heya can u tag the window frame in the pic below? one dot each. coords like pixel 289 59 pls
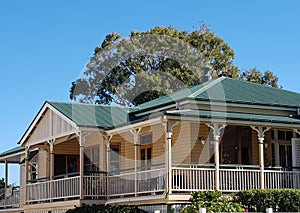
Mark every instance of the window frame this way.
pixel 90 161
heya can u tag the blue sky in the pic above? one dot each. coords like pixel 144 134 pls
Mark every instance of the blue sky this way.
pixel 44 45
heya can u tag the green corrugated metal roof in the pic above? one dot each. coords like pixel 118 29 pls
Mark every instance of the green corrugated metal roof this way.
pixel 247 92
pixel 173 97
pixel 234 116
pixel 93 115
pixel 12 151
pixel 229 90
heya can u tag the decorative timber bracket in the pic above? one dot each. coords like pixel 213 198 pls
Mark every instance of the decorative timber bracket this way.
pixel 260 132
pixel 135 133
pixel 216 128
pixel 51 144
pixel 82 137
pixel 297 131
pixel 107 139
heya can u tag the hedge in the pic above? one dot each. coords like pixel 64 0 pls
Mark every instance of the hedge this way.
pixel 213 201
pixel 258 200
pixel 106 209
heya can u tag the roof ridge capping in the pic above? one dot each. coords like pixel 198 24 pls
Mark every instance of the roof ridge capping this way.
pixel 86 104
pixel 176 96
pixel 262 85
pixel 207 86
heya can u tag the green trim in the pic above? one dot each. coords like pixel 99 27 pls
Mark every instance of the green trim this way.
pixel 227 116
pixel 12 151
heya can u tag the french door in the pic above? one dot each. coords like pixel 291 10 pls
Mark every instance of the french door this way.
pixel 146 157
pixel 285 155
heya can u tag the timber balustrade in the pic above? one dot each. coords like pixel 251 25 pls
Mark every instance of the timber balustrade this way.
pixel 186 178
pixel 11 200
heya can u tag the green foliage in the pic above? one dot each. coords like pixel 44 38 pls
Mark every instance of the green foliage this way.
pixel 146 65
pixel 130 71
pixel 2 183
pixel 213 201
pixel 281 200
pixel 105 209
pixel 266 78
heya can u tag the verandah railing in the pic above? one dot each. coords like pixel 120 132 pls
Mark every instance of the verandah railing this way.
pixel 12 200
pixel 66 188
pixel 185 179
pixel 232 178
pixel 143 181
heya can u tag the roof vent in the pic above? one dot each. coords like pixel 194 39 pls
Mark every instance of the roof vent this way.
pixel 206 73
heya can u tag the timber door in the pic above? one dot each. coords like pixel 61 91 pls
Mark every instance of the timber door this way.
pixel 146 158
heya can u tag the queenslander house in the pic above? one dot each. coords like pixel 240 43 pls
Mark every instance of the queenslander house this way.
pixel 224 134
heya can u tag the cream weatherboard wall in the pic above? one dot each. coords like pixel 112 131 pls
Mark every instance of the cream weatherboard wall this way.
pixel 51 125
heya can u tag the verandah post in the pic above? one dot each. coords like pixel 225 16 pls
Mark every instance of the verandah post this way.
pixel 6 180
pixel 81 159
pixel 168 153
pixel 51 147
pixel 261 136
pixel 217 128
pixel 26 172
pixel 135 134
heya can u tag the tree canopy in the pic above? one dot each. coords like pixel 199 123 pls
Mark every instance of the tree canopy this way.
pixel 2 183
pixel 254 75
pixel 146 65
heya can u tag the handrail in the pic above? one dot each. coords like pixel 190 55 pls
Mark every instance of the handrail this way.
pixel 44 179
pixel 38 180
pixel 72 174
pixel 117 172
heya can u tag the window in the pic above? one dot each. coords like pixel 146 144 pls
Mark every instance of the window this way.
pixel 34 171
pixel 273 134
pixel 66 164
pixel 146 151
pixel 146 139
pixel 285 135
pixel 211 152
pixel 91 160
pixel 285 156
pixel 114 158
pixel 273 155
pixel 33 162
pixel 146 157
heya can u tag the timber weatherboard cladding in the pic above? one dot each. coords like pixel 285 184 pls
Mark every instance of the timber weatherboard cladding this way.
pixel 181 143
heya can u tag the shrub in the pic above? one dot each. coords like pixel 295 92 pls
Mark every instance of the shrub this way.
pixel 213 201
pixel 282 200
pixel 106 209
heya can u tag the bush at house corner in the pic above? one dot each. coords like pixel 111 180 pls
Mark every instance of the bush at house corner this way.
pixel 213 201
pixel 280 200
pixel 105 209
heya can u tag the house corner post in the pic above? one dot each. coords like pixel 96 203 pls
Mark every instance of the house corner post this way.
pixel 168 154
pixel 217 128
pixel 135 134
pixel 81 159
pixel 261 162
pixel 26 172
pixel 51 149
pixel 261 136
pixel 169 160
pixel 107 144
pixel 217 162
pixel 6 174
pixel 5 180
